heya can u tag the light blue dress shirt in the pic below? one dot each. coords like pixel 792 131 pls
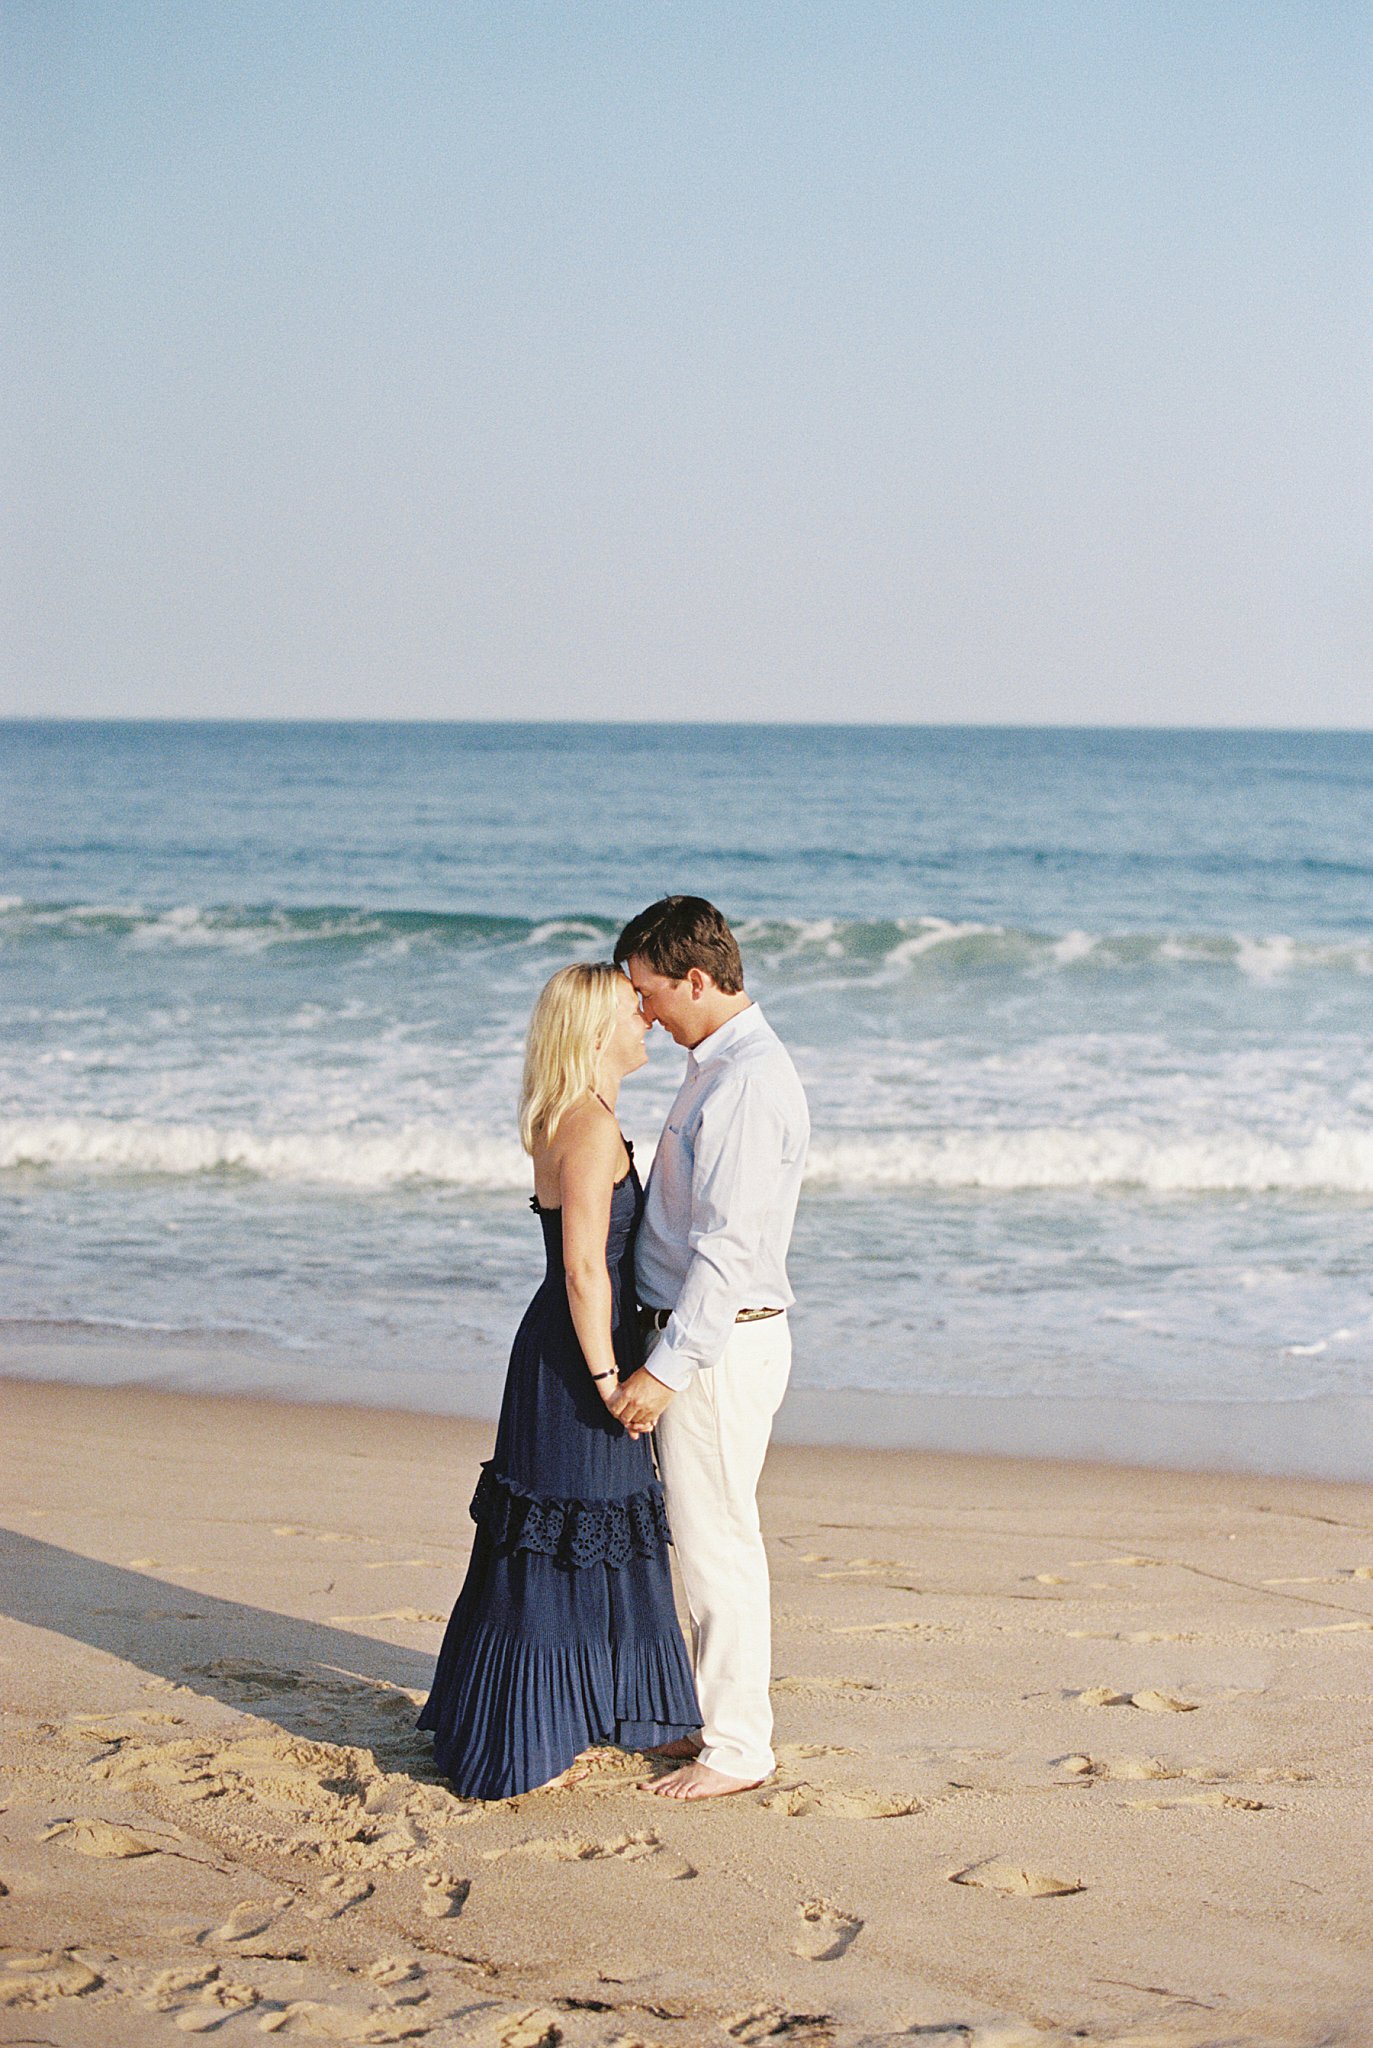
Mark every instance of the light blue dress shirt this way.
pixel 722 1194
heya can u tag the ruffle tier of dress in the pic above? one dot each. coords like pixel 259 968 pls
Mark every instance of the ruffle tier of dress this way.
pixel 564 1636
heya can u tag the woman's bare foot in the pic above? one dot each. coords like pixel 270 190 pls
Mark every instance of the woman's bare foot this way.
pixel 698 1781
pixel 686 1748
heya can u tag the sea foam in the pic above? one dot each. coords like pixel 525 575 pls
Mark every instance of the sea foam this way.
pixel 1329 1162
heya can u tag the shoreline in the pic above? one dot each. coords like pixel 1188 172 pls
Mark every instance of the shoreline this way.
pixel 1323 1437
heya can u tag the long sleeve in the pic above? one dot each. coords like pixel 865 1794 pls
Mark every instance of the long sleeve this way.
pixel 738 1159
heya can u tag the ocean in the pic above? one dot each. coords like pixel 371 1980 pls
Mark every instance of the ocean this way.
pixel 1085 1018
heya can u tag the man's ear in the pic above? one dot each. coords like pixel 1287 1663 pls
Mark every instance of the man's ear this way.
pixel 698 980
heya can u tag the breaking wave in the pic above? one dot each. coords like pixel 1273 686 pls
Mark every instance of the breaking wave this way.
pixel 866 949
pixel 1329 1162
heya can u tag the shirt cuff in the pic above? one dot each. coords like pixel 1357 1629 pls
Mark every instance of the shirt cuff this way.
pixel 665 1363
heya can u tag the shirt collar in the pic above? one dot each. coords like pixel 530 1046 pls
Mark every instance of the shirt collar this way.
pixel 726 1036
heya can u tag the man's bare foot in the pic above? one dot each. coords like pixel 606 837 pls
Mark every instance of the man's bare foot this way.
pixel 698 1781
pixel 687 1748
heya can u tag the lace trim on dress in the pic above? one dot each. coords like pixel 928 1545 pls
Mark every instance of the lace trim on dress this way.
pixel 574 1532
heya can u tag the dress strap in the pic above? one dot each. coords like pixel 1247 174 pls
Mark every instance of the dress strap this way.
pixel 626 1142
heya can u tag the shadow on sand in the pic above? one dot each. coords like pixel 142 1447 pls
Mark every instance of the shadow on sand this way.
pixel 308 1678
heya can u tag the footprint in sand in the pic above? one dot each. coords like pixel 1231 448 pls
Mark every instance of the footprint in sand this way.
pixel 314 1535
pixel 252 1678
pixel 826 1932
pixel 862 1567
pixel 802 1801
pixel 112 1732
pixel 391 1972
pixel 644 1847
pixel 215 2004
pixel 107 1838
pixel 1149 1701
pixel 1014 1881
pixel 337 1894
pixel 315 1780
pixel 536 2029
pixel 170 1988
pixel 252 1917
pixel 771 2023
pixel 39 1980
pixel 444 1896
pixel 1229 1799
pixel 320 2022
pixel 399 1796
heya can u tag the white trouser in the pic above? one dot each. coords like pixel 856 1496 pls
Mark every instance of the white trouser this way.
pixel 712 1439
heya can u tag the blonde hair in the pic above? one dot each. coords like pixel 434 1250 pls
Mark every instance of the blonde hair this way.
pixel 572 1019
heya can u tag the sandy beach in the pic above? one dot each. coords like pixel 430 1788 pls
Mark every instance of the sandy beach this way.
pixel 1067 1752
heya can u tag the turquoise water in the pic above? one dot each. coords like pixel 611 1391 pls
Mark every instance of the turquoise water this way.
pixel 1084 1018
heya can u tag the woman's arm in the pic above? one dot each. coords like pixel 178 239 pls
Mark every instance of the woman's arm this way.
pixel 590 1162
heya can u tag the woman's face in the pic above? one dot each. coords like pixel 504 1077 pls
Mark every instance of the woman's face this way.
pixel 623 1052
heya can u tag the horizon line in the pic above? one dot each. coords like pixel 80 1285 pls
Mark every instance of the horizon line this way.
pixel 173 719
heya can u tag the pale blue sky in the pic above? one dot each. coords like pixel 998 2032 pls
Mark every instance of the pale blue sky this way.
pixel 842 361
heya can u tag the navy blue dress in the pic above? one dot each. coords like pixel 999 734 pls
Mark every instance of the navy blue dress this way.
pixel 564 1633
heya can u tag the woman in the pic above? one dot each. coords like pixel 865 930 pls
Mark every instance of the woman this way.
pixel 564 1633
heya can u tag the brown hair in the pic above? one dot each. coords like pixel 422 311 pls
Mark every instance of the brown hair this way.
pixel 681 932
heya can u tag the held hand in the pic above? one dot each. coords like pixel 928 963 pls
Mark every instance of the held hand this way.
pixel 640 1401
pixel 610 1391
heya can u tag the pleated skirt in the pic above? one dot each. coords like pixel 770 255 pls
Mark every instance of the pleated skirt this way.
pixel 564 1636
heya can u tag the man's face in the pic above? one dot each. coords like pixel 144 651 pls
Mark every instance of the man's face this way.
pixel 676 1005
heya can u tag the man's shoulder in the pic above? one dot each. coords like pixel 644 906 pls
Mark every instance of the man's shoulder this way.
pixel 760 1061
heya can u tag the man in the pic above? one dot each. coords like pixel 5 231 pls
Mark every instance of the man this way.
pixel 712 1275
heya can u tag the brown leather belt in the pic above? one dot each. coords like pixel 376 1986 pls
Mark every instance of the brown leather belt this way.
pixel 658 1318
